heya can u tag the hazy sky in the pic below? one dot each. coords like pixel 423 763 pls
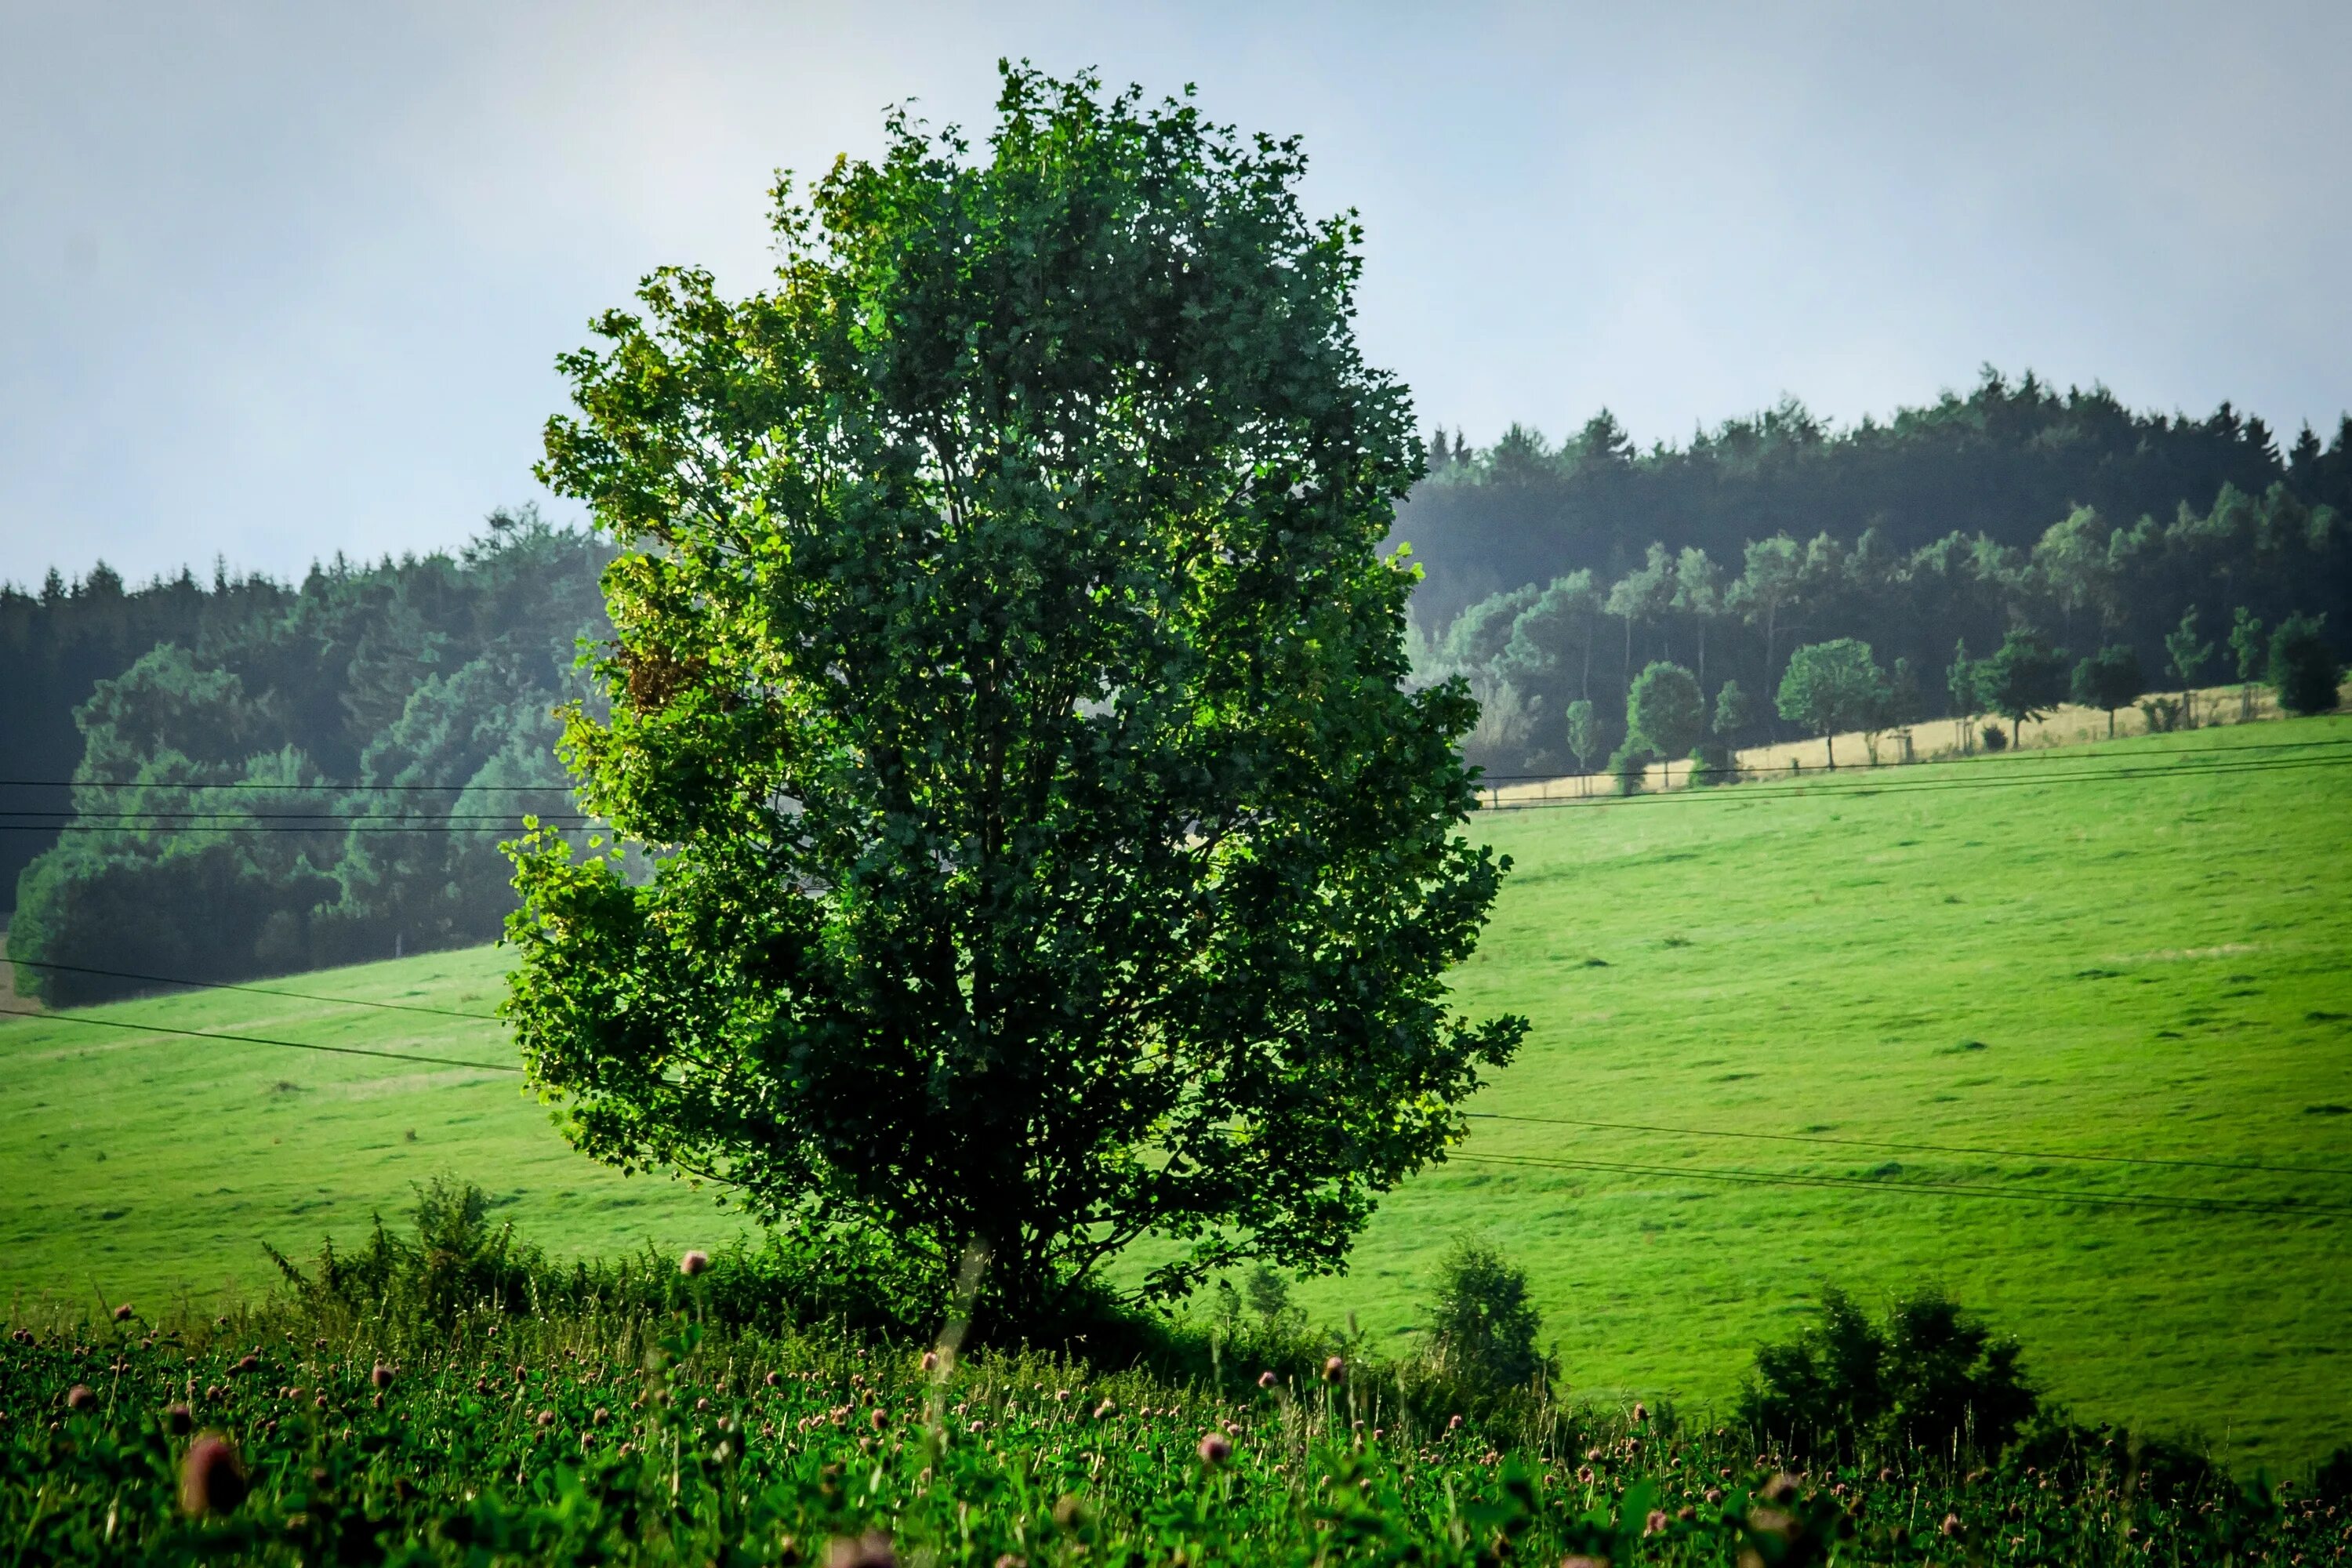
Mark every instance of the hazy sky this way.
pixel 281 280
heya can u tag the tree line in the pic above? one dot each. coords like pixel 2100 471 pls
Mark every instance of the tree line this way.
pixel 1685 649
pixel 266 777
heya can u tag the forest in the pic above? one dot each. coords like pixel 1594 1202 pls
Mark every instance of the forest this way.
pixel 244 777
pixel 1554 575
pixel 253 778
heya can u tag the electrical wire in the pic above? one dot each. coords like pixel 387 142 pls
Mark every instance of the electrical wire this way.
pixel 256 990
pixel 1918 1189
pixel 257 1040
pixel 1915 1148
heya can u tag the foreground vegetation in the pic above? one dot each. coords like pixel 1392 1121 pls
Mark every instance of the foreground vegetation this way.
pixel 453 1398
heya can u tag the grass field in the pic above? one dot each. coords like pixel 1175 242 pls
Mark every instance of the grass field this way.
pixel 2132 951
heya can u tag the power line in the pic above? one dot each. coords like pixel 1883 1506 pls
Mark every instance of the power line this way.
pixel 327 822
pixel 234 817
pixel 1915 1189
pixel 1915 1148
pixel 256 990
pixel 328 785
pixel 257 1040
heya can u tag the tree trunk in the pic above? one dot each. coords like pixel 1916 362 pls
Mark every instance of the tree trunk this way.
pixel 1830 740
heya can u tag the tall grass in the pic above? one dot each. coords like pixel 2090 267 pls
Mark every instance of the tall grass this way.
pixel 468 1403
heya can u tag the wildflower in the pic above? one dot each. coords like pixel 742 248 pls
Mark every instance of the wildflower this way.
pixel 80 1397
pixel 1104 1411
pixel 380 1376
pixel 694 1262
pixel 248 1363
pixel 547 1418
pixel 1334 1369
pixel 177 1419
pixel 1714 1496
pixel 774 1380
pixel 1578 1560
pixel 1453 1425
pixel 1266 1380
pixel 122 1313
pixel 212 1476
pixel 871 1550
pixel 1641 1411
pixel 600 1416
pixel 931 1361
pixel 880 1420
pixel 1215 1449
pixel 1656 1523
pixel 1952 1527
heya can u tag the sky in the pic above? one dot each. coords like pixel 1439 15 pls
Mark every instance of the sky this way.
pixel 282 281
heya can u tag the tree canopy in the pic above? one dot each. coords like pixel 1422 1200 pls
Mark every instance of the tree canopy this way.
pixel 1831 686
pixel 1006 675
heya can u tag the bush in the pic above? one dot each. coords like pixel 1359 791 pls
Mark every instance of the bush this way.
pixel 1630 763
pixel 1712 764
pixel 1483 1328
pixel 1932 1378
pixel 2303 666
pixel 1995 738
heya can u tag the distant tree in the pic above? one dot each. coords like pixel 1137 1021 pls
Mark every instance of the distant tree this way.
pixel 1481 1326
pixel 1629 765
pixel 1698 594
pixel 1904 705
pixel 1732 710
pixel 2108 680
pixel 1962 685
pixel 1767 588
pixel 2303 667
pixel 1831 686
pixel 2187 657
pixel 1665 712
pixel 2252 651
pixel 1642 595
pixel 1586 736
pixel 2023 679
pixel 1555 624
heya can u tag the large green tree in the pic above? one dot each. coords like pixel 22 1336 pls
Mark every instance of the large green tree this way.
pixel 1831 686
pixel 1008 682
pixel 1666 711
pixel 2025 679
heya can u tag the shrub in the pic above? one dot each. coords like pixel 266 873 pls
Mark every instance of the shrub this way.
pixel 1629 763
pixel 2303 666
pixel 1931 1377
pixel 1483 1328
pixel 1995 738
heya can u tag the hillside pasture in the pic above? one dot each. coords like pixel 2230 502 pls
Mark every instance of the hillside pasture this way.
pixel 1998 984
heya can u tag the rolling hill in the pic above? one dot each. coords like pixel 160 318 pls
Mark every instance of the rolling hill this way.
pixel 2065 1033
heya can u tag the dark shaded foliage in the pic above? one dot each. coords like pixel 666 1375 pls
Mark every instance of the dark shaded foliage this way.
pixel 1930 1376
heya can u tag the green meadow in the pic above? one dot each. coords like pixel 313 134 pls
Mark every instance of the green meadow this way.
pixel 2064 1033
